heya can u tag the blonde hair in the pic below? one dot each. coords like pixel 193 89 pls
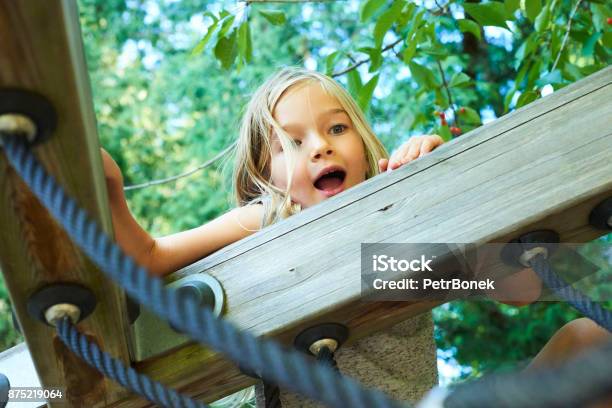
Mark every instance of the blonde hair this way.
pixel 251 179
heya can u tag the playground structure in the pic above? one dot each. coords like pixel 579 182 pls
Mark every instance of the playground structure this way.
pixel 545 166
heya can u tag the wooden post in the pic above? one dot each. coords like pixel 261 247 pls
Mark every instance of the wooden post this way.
pixel 41 51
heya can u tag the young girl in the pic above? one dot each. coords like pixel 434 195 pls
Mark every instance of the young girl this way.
pixel 302 140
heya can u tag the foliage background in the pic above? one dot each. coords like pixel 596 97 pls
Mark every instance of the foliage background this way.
pixel 170 79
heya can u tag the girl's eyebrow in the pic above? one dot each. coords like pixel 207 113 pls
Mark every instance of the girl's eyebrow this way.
pixel 288 127
pixel 333 111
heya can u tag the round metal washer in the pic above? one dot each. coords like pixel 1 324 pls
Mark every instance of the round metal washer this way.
pixel 307 337
pixel 34 106
pixel 512 253
pixel 51 295
pixel 208 281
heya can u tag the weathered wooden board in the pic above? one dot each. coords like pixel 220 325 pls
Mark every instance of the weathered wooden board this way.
pixel 544 166
pixel 41 51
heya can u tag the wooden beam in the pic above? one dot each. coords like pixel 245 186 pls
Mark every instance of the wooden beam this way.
pixel 543 166
pixel 41 51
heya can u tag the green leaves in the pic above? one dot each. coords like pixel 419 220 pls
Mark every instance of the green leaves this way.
pixel 245 45
pixel 386 20
pixel 459 80
pixel 233 41
pixel 375 55
pixel 469 26
pixel 526 97
pixel 226 50
pixel 444 132
pixel 227 23
pixel 227 45
pixel 423 75
pixel 370 7
pixel 418 30
pixel 531 8
pixel 511 6
pixel 330 62
pixel 366 92
pixel 209 33
pixel 600 14
pixel 543 19
pixel 409 52
pixel 469 116
pixel 526 49
pixel 354 83
pixel 554 77
pixel 441 98
pixel 413 37
pixel 492 13
pixel 274 17
pixel 360 92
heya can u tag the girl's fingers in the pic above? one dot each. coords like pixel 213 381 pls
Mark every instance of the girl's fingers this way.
pixel 436 140
pixel 382 165
pixel 396 157
pixel 416 147
pixel 427 146
pixel 413 151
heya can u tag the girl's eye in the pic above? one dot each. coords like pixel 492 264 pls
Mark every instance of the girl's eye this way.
pixel 337 129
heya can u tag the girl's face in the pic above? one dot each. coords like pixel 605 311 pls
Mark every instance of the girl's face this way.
pixel 330 154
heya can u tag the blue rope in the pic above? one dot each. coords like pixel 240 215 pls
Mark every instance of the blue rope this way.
pixel 572 296
pixel 288 368
pixel 116 370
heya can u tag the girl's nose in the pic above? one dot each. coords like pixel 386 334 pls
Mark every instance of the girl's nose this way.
pixel 321 147
pixel 318 154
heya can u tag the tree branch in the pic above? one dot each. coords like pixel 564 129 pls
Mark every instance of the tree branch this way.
pixel 363 61
pixel 187 173
pixel 569 27
pixel 448 92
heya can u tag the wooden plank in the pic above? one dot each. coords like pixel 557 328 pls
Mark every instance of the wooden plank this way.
pixel 41 51
pixel 543 166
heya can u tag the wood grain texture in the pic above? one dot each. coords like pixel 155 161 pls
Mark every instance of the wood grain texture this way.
pixel 41 51
pixel 543 166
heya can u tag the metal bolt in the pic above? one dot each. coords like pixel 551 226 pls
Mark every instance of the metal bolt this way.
pixel 60 310
pixel 529 254
pixel 18 124
pixel 316 347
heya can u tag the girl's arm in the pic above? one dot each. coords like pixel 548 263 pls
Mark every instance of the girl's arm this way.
pixel 175 251
pixel 168 254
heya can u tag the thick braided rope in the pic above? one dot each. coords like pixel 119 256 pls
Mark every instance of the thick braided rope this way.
pixel 572 296
pixel 327 356
pixel 272 392
pixel 116 370
pixel 288 368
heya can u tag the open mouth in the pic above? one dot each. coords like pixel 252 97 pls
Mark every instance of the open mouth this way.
pixel 331 181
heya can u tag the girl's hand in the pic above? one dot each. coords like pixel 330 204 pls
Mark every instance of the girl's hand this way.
pixel 415 147
pixel 111 169
pixel 114 179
